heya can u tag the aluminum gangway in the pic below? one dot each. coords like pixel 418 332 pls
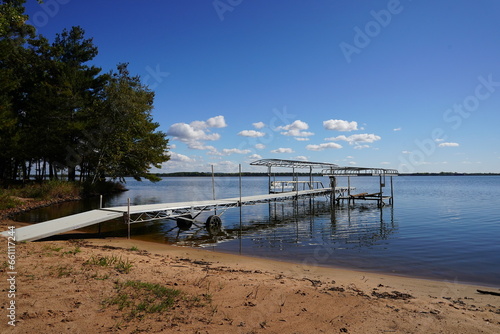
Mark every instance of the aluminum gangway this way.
pixel 185 213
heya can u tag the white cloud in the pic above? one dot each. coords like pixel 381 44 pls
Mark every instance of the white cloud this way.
pixel 296 125
pixel 397 129
pixel 352 163
pixel 199 146
pixel 349 157
pixel 360 147
pixel 255 156
pixel 449 145
pixel 216 122
pixel 295 129
pixel 228 151
pixel 301 158
pixel 385 163
pixel 179 157
pixel 301 139
pixel 259 125
pixel 282 150
pixel 260 146
pixel 340 125
pixel 196 129
pixel 357 138
pixel 297 133
pixel 251 133
pixel 323 146
pixel 406 152
pixel 196 132
pixel 186 132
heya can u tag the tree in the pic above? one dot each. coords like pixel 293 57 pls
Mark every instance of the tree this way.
pixel 126 142
pixel 59 113
pixel 14 33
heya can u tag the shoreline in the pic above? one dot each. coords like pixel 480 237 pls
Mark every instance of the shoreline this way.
pixel 201 254
pixel 346 268
pixel 4 222
pixel 59 291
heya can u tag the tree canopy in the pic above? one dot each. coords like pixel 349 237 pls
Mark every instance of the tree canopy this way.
pixel 58 114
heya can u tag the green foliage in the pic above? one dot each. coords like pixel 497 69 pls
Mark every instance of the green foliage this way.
pixel 61 115
pixel 140 298
pixel 7 201
pixel 74 251
pixel 122 266
pixel 49 190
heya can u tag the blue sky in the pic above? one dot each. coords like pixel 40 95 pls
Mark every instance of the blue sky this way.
pixel 412 85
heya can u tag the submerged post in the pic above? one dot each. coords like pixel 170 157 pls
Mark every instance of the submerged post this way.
pixel 100 201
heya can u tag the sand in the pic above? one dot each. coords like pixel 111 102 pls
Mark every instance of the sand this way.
pixel 66 286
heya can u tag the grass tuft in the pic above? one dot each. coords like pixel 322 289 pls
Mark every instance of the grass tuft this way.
pixel 140 298
pixel 122 266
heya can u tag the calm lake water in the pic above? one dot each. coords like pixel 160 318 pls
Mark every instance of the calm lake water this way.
pixel 440 227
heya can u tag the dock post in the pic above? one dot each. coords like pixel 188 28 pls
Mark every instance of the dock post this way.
pixel 348 191
pixel 392 193
pixel 240 181
pixel 311 184
pixel 213 183
pixel 380 188
pixel 269 178
pixel 333 186
pixel 128 217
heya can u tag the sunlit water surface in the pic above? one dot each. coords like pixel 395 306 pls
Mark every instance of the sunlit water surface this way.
pixel 440 227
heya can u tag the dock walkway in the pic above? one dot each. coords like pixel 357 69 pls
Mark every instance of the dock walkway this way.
pixel 149 212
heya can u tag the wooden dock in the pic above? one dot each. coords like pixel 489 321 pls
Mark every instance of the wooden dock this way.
pixel 186 211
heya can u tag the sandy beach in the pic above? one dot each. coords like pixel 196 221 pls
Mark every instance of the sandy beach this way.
pixel 105 286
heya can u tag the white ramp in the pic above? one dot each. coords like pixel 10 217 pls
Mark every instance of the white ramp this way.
pixel 61 225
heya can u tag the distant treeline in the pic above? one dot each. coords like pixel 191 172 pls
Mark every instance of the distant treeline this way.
pixel 447 174
pixel 229 174
pixel 205 174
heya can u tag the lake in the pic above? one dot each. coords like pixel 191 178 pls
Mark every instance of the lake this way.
pixel 440 227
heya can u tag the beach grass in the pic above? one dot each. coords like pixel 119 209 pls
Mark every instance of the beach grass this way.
pixel 138 298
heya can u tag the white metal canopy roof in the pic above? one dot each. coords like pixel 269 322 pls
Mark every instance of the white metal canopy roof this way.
pixel 327 168
pixel 292 163
pixel 354 171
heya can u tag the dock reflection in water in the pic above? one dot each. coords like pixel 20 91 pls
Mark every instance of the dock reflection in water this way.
pixel 291 227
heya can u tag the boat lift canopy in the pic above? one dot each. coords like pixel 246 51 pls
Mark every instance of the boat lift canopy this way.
pixel 292 164
pixel 361 171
